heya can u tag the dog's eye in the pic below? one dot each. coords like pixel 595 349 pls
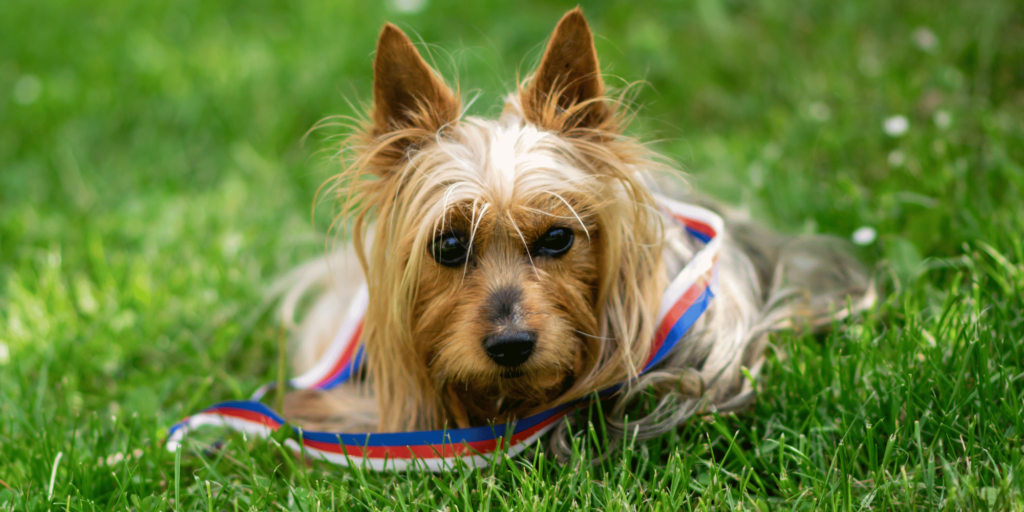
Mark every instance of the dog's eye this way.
pixel 449 250
pixel 555 243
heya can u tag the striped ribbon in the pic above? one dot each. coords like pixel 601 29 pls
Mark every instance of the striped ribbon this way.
pixel 685 299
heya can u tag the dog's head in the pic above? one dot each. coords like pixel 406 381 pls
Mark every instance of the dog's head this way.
pixel 515 262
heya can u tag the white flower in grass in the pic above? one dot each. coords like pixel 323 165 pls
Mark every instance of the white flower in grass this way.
pixel 756 174
pixel 897 158
pixel 925 39
pixel 864 235
pixel 5 353
pixel 819 112
pixel 942 119
pixel 896 126
pixel 27 89
pixel 869 65
pixel 408 6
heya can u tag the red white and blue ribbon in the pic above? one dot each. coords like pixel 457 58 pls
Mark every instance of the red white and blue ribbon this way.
pixel 685 300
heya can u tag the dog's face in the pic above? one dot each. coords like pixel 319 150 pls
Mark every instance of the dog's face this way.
pixel 507 303
pixel 511 257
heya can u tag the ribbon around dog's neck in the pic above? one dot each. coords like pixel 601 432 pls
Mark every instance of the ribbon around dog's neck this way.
pixel 685 300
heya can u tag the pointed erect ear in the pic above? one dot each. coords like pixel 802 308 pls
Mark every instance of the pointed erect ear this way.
pixel 406 92
pixel 566 91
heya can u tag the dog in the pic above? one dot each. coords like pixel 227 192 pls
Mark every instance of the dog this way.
pixel 518 263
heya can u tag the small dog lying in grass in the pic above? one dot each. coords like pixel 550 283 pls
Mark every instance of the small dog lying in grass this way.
pixel 517 263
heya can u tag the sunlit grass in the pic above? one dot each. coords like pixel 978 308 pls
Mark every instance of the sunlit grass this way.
pixel 154 181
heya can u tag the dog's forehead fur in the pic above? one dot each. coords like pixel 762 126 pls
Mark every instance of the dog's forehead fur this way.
pixel 504 173
pixel 499 167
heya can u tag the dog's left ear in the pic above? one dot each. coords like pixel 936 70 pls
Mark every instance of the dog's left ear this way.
pixel 566 91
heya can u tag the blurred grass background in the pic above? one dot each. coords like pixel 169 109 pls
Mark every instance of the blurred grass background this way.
pixel 155 178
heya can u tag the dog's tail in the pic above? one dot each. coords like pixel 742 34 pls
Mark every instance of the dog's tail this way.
pixel 769 282
pixel 816 277
pixel 805 283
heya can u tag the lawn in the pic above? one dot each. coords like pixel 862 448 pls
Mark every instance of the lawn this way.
pixel 156 176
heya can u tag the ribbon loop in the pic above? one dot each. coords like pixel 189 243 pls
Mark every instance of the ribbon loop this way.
pixel 685 300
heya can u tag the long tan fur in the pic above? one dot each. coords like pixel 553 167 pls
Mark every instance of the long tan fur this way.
pixel 556 154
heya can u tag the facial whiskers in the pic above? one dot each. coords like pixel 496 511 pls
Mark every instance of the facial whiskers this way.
pixel 581 333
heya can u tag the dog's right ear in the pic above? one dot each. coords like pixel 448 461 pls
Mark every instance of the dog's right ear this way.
pixel 408 96
pixel 566 91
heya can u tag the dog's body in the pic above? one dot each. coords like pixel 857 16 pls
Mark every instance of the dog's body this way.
pixel 517 263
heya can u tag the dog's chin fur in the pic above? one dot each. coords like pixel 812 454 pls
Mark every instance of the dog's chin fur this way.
pixel 555 157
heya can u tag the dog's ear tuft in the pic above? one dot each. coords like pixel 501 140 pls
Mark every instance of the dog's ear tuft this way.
pixel 407 93
pixel 566 91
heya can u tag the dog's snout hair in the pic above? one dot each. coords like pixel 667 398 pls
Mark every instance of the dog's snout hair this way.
pixel 503 306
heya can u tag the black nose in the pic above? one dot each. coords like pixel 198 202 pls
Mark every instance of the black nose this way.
pixel 510 348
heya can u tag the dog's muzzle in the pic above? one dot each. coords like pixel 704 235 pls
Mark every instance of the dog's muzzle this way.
pixel 511 347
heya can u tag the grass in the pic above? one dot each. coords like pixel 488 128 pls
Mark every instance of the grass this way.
pixel 154 180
